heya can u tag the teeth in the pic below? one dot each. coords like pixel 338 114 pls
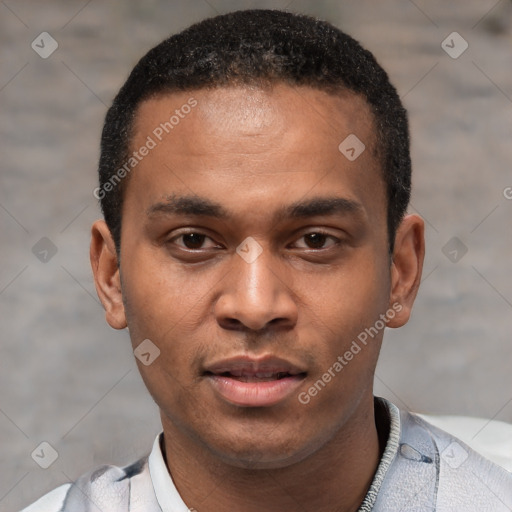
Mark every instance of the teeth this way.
pixel 264 375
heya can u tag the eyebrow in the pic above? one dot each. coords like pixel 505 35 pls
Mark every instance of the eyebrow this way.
pixel 200 206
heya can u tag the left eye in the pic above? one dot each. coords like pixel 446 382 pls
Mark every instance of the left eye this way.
pixel 318 240
pixel 193 240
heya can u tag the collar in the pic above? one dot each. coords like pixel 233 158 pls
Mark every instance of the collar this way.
pixel 166 493
pixel 385 412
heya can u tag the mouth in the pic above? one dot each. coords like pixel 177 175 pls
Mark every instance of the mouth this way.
pixel 242 376
pixel 254 383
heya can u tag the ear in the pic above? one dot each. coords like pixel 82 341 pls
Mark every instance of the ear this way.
pixel 406 268
pixel 106 274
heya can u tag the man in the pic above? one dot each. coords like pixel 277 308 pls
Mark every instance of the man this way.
pixel 254 179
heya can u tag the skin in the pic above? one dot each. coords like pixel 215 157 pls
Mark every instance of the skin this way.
pixel 305 298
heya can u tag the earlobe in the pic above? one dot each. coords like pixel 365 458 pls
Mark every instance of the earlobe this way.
pixel 406 267
pixel 107 279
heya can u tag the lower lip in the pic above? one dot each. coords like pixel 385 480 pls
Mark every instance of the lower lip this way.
pixel 255 394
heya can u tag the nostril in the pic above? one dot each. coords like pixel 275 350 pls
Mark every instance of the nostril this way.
pixel 231 323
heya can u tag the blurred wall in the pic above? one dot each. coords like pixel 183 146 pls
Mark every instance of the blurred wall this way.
pixel 68 379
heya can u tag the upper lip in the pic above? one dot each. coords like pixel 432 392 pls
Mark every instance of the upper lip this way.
pixel 252 366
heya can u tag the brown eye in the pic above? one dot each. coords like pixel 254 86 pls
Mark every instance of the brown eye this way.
pixel 315 240
pixel 193 240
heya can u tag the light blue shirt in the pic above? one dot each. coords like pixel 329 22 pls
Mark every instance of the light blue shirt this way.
pixel 422 469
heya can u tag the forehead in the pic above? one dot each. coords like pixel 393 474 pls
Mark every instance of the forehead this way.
pixel 250 140
pixel 248 111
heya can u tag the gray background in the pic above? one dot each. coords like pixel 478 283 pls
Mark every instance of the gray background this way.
pixel 68 379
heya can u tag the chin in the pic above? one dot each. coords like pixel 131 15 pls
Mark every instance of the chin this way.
pixel 262 452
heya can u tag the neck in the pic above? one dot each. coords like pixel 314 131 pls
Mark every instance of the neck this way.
pixel 336 477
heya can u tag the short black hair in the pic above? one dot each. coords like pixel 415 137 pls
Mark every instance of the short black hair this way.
pixel 258 47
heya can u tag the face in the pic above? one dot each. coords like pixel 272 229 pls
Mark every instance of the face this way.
pixel 254 254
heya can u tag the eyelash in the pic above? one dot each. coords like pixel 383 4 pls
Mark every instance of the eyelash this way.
pixel 336 240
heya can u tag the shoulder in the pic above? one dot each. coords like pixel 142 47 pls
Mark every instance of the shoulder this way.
pixel 466 479
pixel 51 502
pixel 490 438
pixel 104 488
pixel 432 469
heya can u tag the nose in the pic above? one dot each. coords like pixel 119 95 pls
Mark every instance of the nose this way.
pixel 256 295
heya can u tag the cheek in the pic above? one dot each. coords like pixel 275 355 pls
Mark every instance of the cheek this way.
pixel 351 297
pixel 168 307
pixel 344 318
pixel 159 297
